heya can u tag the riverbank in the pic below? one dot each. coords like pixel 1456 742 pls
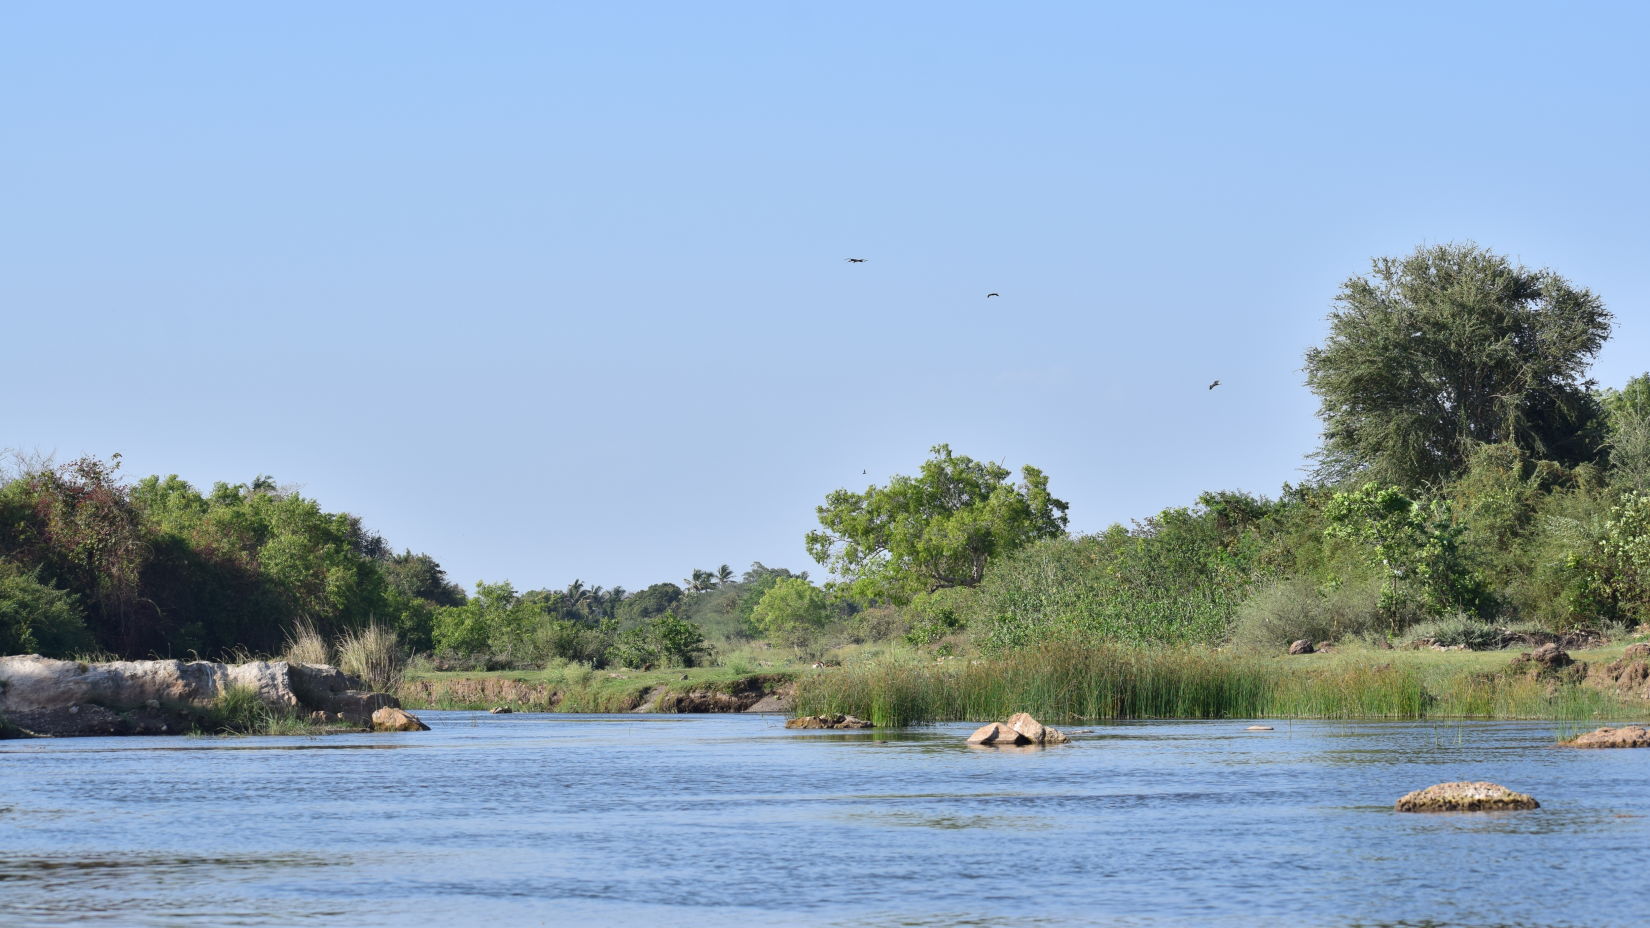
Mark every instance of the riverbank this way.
pixel 580 689
pixel 1066 684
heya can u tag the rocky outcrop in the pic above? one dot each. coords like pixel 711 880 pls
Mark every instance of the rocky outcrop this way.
pixel 326 688
pixel 1464 797
pixel 827 721
pixel 1303 646
pixel 392 719
pixel 43 696
pixel 1020 729
pixel 1628 736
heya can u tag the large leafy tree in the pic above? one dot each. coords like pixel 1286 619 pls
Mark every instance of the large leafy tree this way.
pixel 933 531
pixel 1449 347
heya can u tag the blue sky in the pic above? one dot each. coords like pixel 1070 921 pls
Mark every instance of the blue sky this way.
pixel 557 291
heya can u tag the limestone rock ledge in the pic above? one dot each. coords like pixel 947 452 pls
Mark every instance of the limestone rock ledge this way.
pixel 43 696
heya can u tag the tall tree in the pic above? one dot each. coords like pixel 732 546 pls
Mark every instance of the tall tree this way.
pixel 935 530
pixel 1447 348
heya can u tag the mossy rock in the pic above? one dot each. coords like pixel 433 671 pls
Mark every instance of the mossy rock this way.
pixel 1465 797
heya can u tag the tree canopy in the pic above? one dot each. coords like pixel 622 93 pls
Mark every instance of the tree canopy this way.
pixel 1451 347
pixel 936 530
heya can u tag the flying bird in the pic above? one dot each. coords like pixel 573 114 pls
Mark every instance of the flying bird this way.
pixel 1213 385
pixel 990 295
pixel 854 260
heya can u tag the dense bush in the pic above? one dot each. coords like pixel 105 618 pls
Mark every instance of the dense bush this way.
pixel 1288 610
pixel 37 618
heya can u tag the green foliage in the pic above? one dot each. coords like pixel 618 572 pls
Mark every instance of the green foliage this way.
pixel 1175 577
pixel 937 530
pixel 1628 417
pixel 655 600
pixel 495 620
pixel 1460 631
pixel 38 618
pixel 1626 556
pixel 1419 547
pixel 792 612
pixel 1287 610
pixel 666 641
pixel 1448 348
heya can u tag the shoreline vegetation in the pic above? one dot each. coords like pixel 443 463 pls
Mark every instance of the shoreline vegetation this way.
pixel 1474 491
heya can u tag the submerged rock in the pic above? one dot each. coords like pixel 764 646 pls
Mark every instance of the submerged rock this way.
pixel 391 719
pixel 1628 736
pixel 827 721
pixel 1464 797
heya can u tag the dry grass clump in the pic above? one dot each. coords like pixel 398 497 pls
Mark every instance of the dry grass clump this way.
pixel 304 645
pixel 373 655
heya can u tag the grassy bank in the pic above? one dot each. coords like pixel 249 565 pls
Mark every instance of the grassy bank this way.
pixel 1067 684
pixel 575 687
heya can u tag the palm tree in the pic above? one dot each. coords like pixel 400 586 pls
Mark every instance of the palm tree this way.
pixel 701 581
pixel 724 574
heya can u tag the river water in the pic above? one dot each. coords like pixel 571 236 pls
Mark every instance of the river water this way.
pixel 733 820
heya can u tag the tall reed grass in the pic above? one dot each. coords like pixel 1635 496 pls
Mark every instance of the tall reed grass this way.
pixel 304 645
pixel 373 655
pixel 1068 683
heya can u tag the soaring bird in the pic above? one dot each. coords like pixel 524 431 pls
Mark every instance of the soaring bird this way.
pixel 990 295
pixel 1213 385
pixel 854 260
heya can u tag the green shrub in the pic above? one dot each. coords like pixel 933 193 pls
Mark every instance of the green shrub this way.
pixel 1288 610
pixel 1460 631
pixel 666 641
pixel 38 618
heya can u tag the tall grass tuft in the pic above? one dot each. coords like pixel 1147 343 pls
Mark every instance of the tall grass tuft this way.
pixel 373 655
pixel 304 645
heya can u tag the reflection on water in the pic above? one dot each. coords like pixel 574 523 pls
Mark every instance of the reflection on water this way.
pixel 714 820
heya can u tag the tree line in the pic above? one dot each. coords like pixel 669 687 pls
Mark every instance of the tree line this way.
pixel 1470 478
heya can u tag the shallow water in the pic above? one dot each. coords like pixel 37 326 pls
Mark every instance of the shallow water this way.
pixel 716 820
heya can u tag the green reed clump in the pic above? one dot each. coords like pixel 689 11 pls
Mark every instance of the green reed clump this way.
pixel 238 710
pixel 1065 683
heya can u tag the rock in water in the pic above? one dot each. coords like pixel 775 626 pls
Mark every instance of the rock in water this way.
pixel 1035 731
pixel 1630 736
pixel 997 733
pixel 1464 797
pixel 1258 728
pixel 388 719
pixel 501 710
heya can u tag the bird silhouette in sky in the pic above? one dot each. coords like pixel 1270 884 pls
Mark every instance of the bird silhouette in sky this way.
pixel 855 260
pixel 1213 385
pixel 990 295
